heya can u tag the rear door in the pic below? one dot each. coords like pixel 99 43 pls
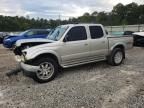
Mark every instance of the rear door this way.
pixel 98 43
pixel 76 47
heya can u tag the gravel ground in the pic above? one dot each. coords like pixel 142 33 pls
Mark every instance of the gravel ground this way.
pixel 96 85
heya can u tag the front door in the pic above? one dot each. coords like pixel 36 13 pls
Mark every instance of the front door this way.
pixel 76 48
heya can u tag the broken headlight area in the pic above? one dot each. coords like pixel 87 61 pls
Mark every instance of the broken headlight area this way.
pixel 24 53
pixel 20 58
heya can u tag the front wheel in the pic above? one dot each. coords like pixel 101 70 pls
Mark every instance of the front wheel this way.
pixel 48 69
pixel 117 56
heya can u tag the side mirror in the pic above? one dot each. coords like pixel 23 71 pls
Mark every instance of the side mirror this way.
pixel 66 38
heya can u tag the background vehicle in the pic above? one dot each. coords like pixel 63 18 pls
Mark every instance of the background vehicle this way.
pixel 70 45
pixel 2 35
pixel 9 41
pixel 138 39
pixel 116 33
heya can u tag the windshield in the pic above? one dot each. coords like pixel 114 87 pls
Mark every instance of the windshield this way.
pixel 57 33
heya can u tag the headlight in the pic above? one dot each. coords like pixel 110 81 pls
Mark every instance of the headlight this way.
pixel 20 58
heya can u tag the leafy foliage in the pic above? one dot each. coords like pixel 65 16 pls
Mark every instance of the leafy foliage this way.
pixel 120 15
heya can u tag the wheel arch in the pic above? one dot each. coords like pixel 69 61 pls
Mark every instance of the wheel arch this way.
pixel 121 46
pixel 118 45
pixel 53 56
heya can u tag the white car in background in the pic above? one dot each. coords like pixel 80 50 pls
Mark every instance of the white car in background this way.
pixel 138 39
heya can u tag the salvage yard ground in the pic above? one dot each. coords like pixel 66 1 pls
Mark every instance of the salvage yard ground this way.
pixel 96 85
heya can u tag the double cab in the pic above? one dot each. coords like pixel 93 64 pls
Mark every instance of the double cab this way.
pixel 67 46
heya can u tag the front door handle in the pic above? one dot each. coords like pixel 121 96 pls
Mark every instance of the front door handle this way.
pixel 86 44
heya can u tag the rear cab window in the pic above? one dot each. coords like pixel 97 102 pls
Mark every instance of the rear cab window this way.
pixel 96 32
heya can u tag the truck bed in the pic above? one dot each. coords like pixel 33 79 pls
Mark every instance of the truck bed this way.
pixel 126 40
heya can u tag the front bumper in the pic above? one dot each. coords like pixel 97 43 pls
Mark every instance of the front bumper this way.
pixel 28 68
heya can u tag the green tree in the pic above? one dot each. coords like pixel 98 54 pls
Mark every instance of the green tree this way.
pixel 120 15
pixel 119 11
pixel 132 13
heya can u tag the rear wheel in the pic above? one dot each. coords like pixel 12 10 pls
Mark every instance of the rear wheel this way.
pixel 117 56
pixel 48 69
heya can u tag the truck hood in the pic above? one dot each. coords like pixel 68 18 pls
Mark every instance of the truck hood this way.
pixel 36 40
pixel 11 36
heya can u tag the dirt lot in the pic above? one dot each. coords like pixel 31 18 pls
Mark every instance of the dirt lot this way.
pixel 96 85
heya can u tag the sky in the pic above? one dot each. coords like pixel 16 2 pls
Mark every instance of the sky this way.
pixel 53 9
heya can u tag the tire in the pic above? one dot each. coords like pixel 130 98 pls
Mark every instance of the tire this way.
pixel 45 75
pixel 117 56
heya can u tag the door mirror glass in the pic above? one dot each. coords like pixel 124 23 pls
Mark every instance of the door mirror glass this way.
pixel 66 38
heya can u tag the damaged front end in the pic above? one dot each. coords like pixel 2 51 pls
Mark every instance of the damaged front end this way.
pixel 20 57
pixel 25 65
pixel 18 49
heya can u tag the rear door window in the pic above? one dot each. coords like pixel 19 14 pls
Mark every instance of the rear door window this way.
pixel 96 32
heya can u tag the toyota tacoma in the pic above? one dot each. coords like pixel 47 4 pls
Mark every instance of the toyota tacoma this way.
pixel 67 46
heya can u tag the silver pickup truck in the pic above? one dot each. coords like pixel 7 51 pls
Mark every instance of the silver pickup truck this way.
pixel 67 46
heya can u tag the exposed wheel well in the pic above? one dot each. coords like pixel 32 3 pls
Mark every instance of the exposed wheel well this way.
pixel 47 55
pixel 121 47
